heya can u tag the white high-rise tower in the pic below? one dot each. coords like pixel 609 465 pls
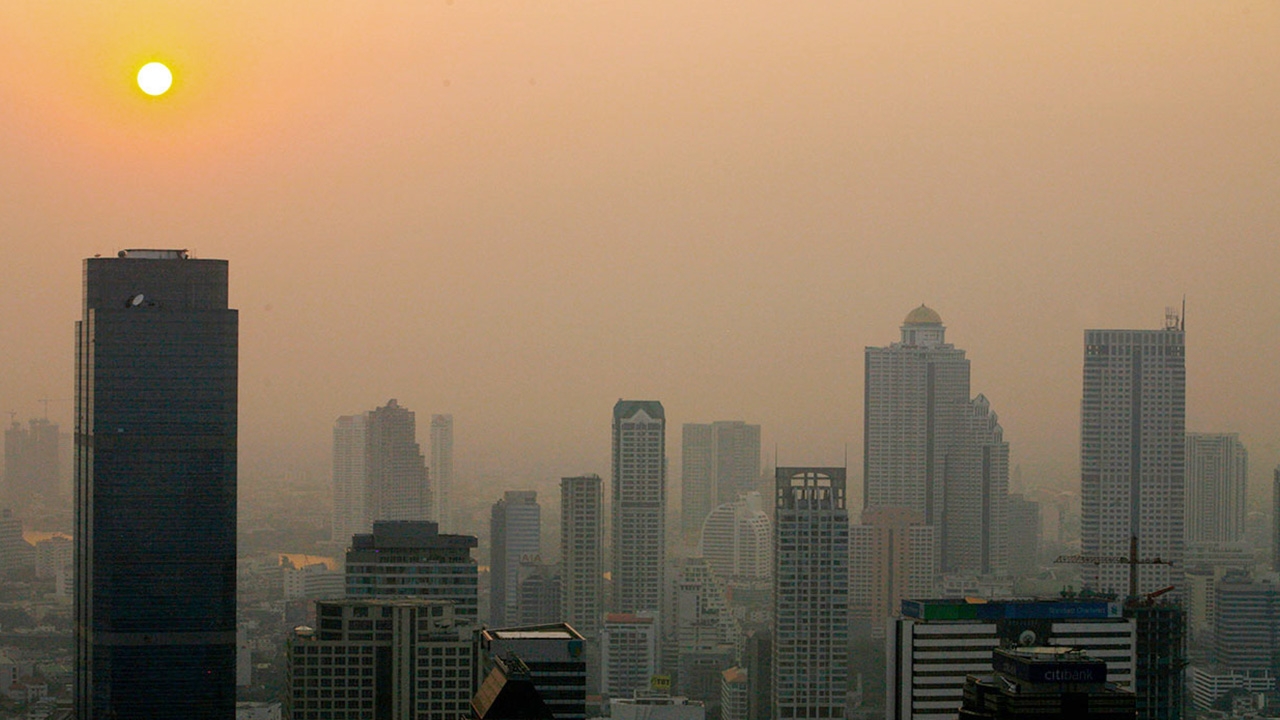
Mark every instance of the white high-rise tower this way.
pixel 442 470
pixel 1132 455
pixel 1217 478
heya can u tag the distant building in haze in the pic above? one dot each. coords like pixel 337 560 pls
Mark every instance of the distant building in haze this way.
pixel 156 389
pixel 930 448
pixel 1025 534
pixel 1217 482
pixel 378 471
pixel 1132 455
pixel 639 547
pixel 737 540
pixel 582 553
pixel 31 471
pixel 810 594
pixel 442 470
pixel 515 531
pixel 628 653
pixel 719 462
pixel 891 558
pixel 412 559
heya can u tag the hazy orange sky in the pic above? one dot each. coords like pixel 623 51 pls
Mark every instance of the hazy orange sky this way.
pixel 518 211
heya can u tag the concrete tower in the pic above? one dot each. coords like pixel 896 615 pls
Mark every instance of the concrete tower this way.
pixel 1132 454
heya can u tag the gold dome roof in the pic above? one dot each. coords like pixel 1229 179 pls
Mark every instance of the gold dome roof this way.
pixel 923 315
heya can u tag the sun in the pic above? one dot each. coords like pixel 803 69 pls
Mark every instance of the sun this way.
pixel 155 79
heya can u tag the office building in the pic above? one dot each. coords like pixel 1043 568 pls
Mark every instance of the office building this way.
pixel 555 658
pixel 350 483
pixel 1217 481
pixel 891 558
pixel 1245 642
pixel 508 693
pixel 1160 659
pixel 156 382
pixel 15 552
pixel 31 467
pixel 442 470
pixel 378 471
pixel 737 540
pixel 719 462
pixel 704 634
pixel 937 643
pixel 929 448
pixel 628 653
pixel 639 506
pixel 582 554
pixel 1132 456
pixel 541 594
pixel 396 470
pixel 734 694
pixel 515 532
pixel 810 593
pixel 1045 683
pixel 389 658
pixel 758 662
pixel 1026 531
pixel 1275 519
pixel 412 559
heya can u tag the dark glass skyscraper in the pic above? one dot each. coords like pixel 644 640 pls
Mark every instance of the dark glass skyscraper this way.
pixel 156 365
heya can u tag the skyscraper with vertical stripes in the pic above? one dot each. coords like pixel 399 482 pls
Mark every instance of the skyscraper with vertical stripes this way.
pixel 639 549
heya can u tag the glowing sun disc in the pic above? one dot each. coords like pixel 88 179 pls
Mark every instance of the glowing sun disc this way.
pixel 154 78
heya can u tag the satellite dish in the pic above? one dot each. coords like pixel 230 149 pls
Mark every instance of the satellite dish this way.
pixel 136 300
pixel 1027 638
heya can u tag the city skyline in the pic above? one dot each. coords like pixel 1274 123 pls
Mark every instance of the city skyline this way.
pixel 445 216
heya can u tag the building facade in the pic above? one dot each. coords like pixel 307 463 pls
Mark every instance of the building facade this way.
pixel 555 655
pixel 937 643
pixel 405 658
pixel 156 384
pixel 628 653
pixel 737 540
pixel 350 483
pixel 31 464
pixel 442 470
pixel 515 532
pixel 582 553
pixel 891 558
pixel 810 593
pixel 396 470
pixel 1132 456
pixel 639 548
pixel 412 559
pixel 1217 483
pixel 719 462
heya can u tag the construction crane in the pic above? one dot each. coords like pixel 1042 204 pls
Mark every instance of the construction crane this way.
pixel 46 401
pixel 1132 561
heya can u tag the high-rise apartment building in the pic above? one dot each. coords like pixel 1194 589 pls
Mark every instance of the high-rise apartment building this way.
pixel 350 483
pixel 442 470
pixel 582 553
pixel 639 548
pixel 891 558
pixel 930 448
pixel 1217 481
pixel 719 462
pixel 810 593
pixel 156 381
pixel 1132 456
pixel 31 471
pixel 737 540
pixel 515 531
pixel 412 559
pixel 704 634
pixel 388 658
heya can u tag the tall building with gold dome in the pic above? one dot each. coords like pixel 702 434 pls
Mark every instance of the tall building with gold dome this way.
pixel 930 448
